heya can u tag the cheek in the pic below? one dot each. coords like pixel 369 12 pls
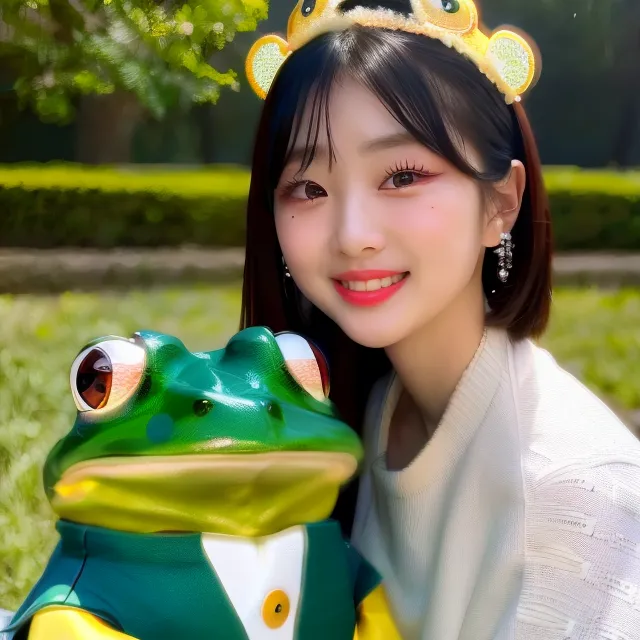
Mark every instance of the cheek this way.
pixel 445 224
pixel 300 241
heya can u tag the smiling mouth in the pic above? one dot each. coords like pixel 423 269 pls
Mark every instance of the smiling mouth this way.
pixel 367 290
pixel 374 284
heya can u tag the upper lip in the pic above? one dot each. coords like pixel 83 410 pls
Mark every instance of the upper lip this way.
pixel 367 274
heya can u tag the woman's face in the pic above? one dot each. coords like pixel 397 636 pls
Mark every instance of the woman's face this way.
pixel 391 236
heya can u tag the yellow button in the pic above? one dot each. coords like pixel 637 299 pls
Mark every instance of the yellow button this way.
pixel 275 609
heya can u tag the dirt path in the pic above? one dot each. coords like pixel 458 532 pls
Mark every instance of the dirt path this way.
pixel 27 271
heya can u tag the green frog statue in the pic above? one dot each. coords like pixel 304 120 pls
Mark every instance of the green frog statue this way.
pixel 193 496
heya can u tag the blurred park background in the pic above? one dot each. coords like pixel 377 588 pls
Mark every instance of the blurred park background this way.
pixel 126 129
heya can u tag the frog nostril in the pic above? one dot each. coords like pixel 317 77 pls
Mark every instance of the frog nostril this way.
pixel 202 407
pixel 274 410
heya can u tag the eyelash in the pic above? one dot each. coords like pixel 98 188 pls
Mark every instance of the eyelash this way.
pixel 405 168
pixel 291 185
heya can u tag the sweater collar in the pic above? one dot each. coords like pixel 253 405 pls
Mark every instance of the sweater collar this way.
pixel 465 412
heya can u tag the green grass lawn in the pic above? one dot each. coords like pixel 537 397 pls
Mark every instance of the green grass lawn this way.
pixel 595 334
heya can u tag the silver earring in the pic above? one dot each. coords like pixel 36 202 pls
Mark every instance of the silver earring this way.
pixel 505 253
pixel 287 274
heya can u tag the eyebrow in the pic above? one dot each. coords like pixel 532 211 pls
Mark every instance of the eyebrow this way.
pixel 370 146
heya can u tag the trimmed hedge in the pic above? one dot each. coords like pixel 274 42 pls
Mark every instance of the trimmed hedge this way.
pixel 594 210
pixel 77 206
pixel 74 206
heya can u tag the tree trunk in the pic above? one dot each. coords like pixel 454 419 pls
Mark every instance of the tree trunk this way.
pixel 106 126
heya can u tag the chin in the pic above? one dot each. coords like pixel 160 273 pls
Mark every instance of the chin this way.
pixel 378 333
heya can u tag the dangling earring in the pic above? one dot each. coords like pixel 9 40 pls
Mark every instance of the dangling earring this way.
pixel 286 278
pixel 287 274
pixel 505 253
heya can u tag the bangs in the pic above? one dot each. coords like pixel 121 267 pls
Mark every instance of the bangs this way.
pixel 433 102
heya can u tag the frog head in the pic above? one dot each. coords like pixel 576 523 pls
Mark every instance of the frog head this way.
pixel 506 57
pixel 242 440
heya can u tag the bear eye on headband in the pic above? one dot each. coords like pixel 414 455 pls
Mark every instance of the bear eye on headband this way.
pixel 505 57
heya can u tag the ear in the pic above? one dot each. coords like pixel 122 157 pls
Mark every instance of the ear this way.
pixel 263 62
pixel 514 59
pixel 504 205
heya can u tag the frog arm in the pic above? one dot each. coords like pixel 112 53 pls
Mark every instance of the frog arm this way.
pixel 71 624
pixel 375 621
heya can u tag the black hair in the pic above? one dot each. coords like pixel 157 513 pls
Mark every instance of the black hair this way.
pixel 436 94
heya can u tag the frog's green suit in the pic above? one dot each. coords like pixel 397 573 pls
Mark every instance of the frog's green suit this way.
pixel 192 495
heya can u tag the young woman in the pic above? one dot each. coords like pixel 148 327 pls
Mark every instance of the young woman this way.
pixel 499 498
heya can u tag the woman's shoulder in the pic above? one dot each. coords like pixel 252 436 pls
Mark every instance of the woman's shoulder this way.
pixel 559 416
pixel 581 474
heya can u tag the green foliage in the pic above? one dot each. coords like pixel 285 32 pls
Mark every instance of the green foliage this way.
pixel 159 51
pixel 61 205
pixel 594 210
pixel 595 334
pixel 97 207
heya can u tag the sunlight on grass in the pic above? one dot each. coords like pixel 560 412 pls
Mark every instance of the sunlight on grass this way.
pixel 595 334
pixel 40 338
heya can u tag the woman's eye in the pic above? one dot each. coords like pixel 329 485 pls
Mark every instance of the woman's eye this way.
pixel 307 191
pixel 402 179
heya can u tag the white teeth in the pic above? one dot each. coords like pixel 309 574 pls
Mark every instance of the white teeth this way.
pixel 372 285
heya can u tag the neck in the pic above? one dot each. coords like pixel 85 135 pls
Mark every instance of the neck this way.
pixel 431 361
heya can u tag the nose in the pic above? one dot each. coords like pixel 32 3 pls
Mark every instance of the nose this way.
pixel 357 228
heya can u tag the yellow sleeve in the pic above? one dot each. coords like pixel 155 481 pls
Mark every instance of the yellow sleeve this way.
pixel 66 623
pixel 375 621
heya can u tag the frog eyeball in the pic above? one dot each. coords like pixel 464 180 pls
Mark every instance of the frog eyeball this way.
pixel 306 364
pixel 106 374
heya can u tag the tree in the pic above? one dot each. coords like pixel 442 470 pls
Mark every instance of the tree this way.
pixel 140 53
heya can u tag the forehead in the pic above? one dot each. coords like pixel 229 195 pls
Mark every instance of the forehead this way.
pixel 348 112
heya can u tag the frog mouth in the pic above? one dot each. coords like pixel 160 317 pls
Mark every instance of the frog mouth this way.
pixel 237 494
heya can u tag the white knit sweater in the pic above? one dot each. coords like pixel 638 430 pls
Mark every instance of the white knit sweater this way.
pixel 519 520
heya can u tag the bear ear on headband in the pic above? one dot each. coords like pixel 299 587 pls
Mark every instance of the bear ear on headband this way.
pixel 507 57
pixel 264 60
pixel 514 60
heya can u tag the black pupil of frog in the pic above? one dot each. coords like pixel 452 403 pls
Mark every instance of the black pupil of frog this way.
pixel 94 378
pixel 307 7
pixel 451 6
pixel 278 608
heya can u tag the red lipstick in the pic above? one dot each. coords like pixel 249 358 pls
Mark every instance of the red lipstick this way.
pixel 368 298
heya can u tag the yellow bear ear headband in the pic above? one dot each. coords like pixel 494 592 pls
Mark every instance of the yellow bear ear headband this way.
pixel 505 57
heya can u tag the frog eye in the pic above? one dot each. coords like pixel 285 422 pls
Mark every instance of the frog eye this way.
pixel 307 7
pixel 306 363
pixel 106 374
pixel 455 15
pixel 450 6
